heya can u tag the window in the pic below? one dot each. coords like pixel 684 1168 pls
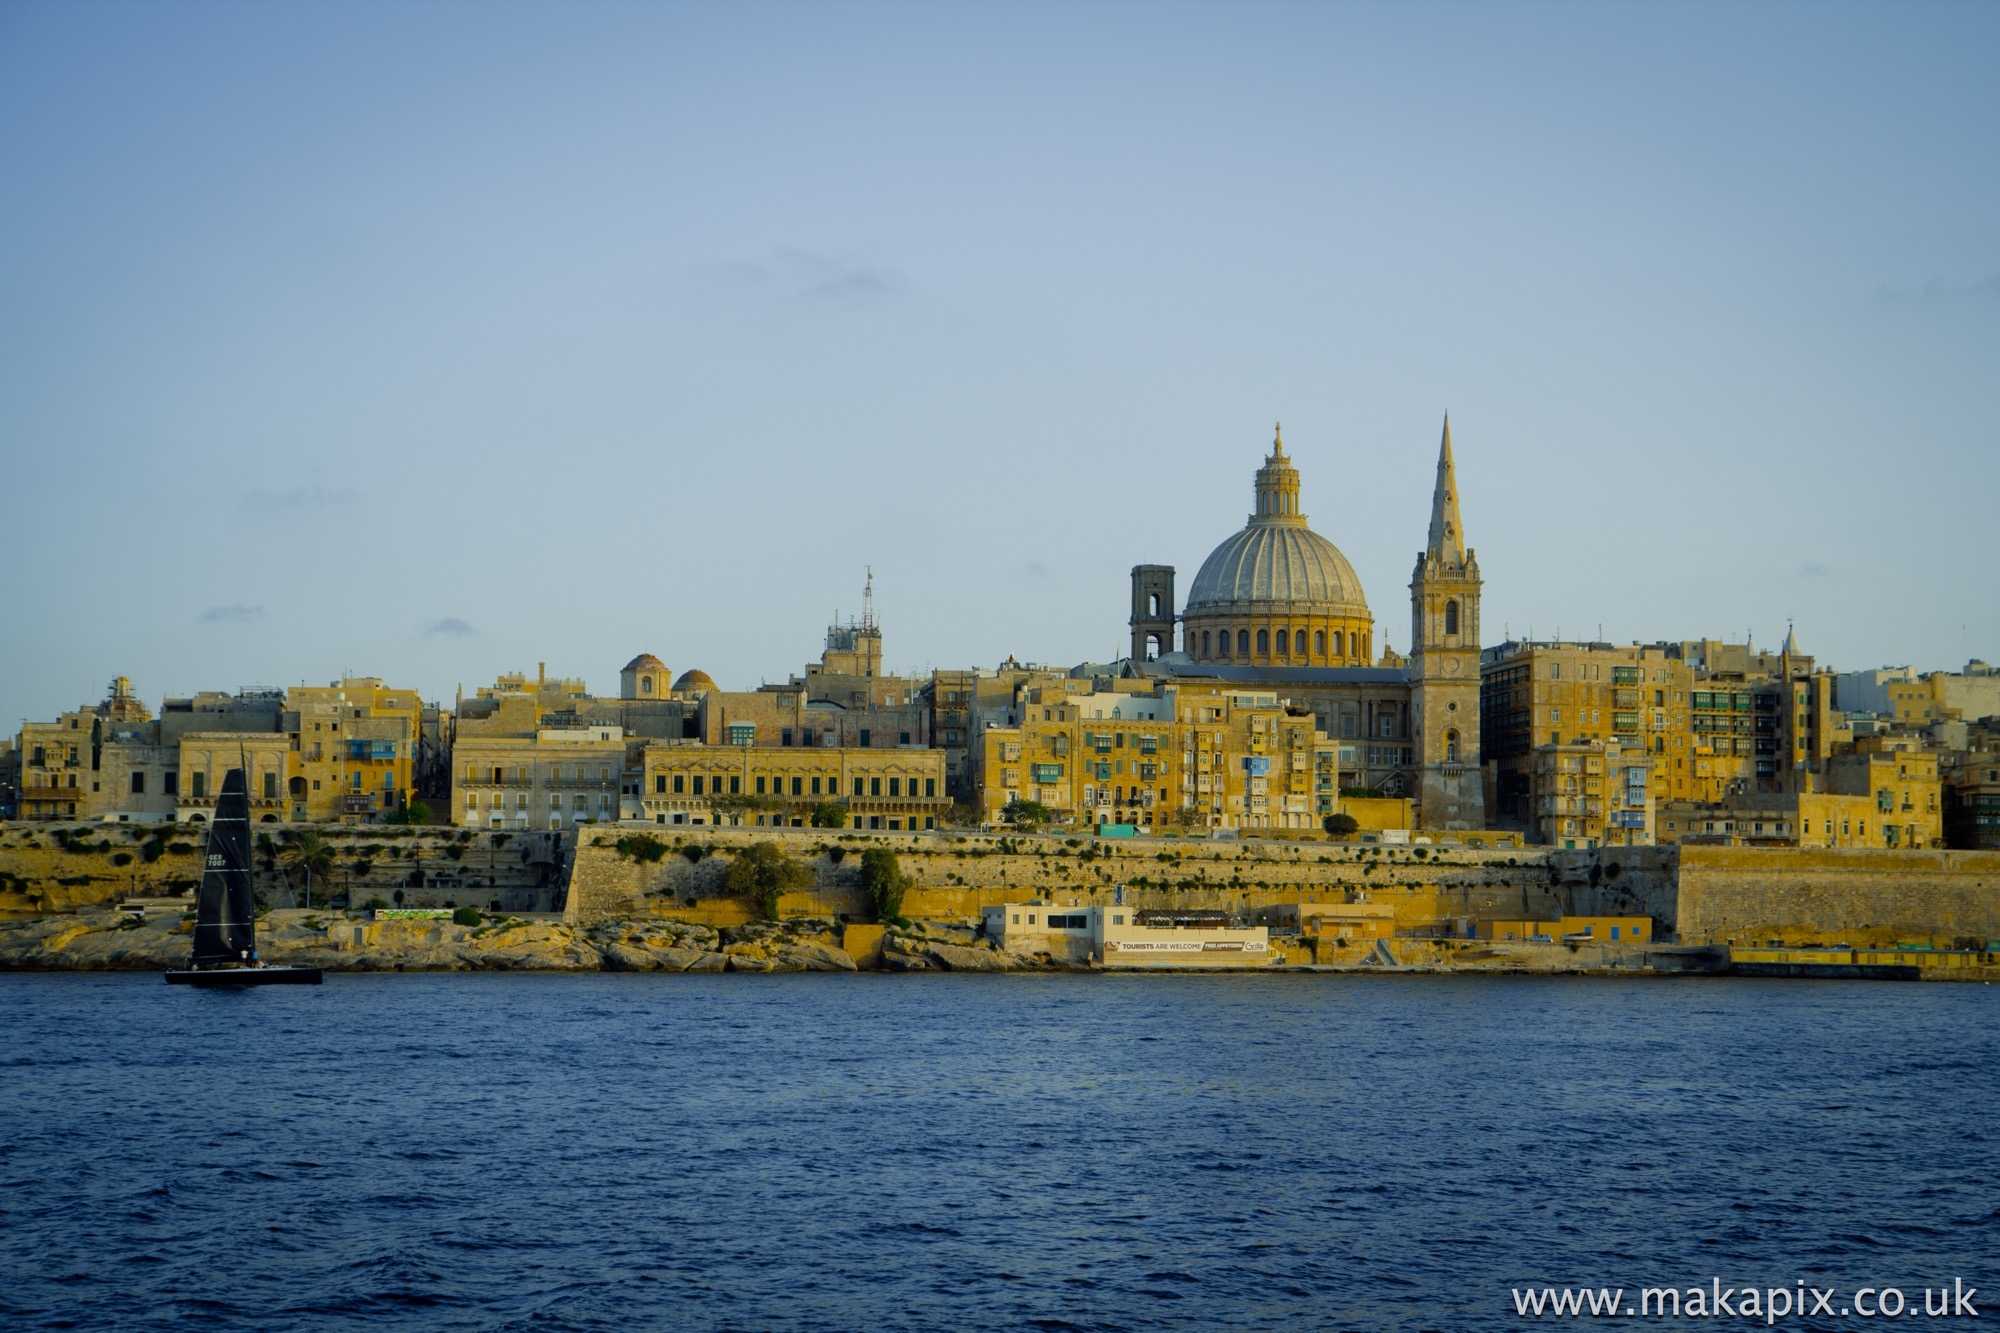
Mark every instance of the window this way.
pixel 859 788
pixel 864 738
pixel 735 785
pixel 680 782
pixel 815 788
pixel 200 785
pixel 138 784
pixel 1451 617
pixel 270 785
pixel 1205 650
pixel 904 738
pixel 895 786
pixel 760 786
pixel 170 783
pixel 1319 643
pixel 659 784
pixel 1263 642
pixel 930 786
pixel 1555 671
pixel 1243 643
pixel 874 786
pixel 784 735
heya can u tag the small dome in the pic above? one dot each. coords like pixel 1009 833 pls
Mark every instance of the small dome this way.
pixel 692 681
pixel 645 662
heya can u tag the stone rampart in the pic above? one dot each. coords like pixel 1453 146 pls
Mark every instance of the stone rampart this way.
pixel 954 875
pixel 61 867
pixel 1753 895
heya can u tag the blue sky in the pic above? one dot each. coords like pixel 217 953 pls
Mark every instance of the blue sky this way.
pixel 431 341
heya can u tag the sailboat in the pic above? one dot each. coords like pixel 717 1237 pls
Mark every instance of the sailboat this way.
pixel 225 924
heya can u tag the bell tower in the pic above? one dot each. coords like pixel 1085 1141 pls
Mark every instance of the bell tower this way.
pixel 1152 611
pixel 1444 664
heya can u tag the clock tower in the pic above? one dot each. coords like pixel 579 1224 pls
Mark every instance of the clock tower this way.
pixel 1444 665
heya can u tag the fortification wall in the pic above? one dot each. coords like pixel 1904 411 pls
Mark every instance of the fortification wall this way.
pixel 61 867
pixel 1747 894
pixel 955 875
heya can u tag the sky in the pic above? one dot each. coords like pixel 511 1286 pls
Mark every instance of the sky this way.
pixel 431 341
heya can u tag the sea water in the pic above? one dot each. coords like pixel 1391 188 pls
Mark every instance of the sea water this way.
pixel 824 1152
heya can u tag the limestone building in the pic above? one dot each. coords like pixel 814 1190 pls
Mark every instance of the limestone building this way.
pixel 1277 609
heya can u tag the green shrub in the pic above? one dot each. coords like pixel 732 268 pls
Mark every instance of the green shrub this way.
pixel 641 847
pixel 1341 825
pixel 694 851
pixel 830 814
pixel 761 874
pixel 121 858
pixel 882 879
pixel 467 916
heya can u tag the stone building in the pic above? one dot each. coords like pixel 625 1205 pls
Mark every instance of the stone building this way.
pixel 356 752
pixel 1277 609
pixel 1191 755
pixel 781 786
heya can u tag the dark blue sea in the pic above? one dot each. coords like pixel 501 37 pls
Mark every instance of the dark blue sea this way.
pixel 971 1152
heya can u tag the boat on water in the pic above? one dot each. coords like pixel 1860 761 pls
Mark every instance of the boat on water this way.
pixel 225 925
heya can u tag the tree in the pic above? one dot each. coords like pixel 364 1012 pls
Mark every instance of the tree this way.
pixel 830 814
pixel 306 851
pixel 415 812
pixel 882 879
pixel 761 874
pixel 1026 815
pixel 1189 817
pixel 1341 825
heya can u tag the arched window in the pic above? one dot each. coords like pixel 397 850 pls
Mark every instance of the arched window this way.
pixel 1319 643
pixel 1354 643
pixel 1243 643
pixel 1263 643
pixel 1225 644
pixel 645 684
pixel 1299 643
pixel 1152 646
pixel 1153 605
pixel 1451 747
pixel 1205 649
pixel 1451 617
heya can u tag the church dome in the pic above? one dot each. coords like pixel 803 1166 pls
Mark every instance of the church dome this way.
pixel 1277 593
pixel 1277 564
pixel 693 680
pixel 1269 567
pixel 645 662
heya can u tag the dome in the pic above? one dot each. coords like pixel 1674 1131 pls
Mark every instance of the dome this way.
pixel 693 680
pixel 1276 566
pixel 646 662
pixel 1277 594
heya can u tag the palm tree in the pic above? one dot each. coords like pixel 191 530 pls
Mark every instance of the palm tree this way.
pixel 305 849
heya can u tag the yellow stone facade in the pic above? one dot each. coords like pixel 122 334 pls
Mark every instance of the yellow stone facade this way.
pixel 354 752
pixel 766 785
pixel 1193 756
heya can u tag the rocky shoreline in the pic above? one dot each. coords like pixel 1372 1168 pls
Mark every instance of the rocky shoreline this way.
pixel 99 940
pixel 96 940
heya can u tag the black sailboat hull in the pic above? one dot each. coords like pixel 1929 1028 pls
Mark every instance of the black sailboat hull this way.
pixel 245 976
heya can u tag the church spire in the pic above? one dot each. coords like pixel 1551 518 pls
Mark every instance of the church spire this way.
pixel 1447 541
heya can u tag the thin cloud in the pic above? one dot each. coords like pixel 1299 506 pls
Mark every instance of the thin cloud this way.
pixel 233 614
pixel 1983 291
pixel 806 277
pixel 1811 570
pixel 450 627
pixel 299 499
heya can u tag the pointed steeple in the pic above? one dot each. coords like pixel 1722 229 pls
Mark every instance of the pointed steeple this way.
pixel 1447 541
pixel 1791 648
